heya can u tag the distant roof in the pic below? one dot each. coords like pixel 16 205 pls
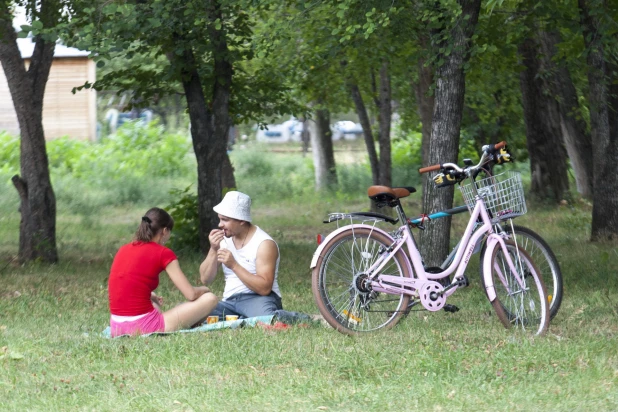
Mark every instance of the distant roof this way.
pixel 26 47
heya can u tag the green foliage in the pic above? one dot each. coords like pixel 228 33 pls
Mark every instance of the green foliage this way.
pixel 260 174
pixel 353 179
pixel 136 150
pixel 137 165
pixel 67 155
pixel 152 152
pixel 9 153
pixel 184 210
pixel 143 48
pixel 406 158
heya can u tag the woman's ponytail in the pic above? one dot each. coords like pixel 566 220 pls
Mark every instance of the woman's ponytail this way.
pixel 152 223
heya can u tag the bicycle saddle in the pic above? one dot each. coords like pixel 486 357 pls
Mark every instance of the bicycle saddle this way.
pixel 385 193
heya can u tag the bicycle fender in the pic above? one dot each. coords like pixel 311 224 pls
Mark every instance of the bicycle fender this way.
pixel 318 251
pixel 493 240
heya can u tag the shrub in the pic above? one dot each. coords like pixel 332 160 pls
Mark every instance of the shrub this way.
pixel 9 153
pixel 406 158
pixel 184 210
pixel 267 176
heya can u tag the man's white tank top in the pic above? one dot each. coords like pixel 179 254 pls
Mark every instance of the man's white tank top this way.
pixel 246 257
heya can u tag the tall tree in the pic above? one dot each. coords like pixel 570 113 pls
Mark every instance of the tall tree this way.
pixel 384 106
pixel 454 40
pixel 323 154
pixel 542 116
pixel 363 116
pixel 37 230
pixel 604 142
pixel 373 35
pixel 424 98
pixel 305 55
pixel 207 47
pixel 573 127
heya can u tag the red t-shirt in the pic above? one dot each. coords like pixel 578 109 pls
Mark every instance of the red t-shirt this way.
pixel 134 275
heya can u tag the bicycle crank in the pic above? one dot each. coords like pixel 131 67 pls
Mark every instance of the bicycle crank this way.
pixel 432 296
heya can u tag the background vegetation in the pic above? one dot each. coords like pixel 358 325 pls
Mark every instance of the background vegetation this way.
pixel 53 356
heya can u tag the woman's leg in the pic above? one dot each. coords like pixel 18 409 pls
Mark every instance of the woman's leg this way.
pixel 188 314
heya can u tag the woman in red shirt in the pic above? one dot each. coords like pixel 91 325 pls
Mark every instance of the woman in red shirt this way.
pixel 134 307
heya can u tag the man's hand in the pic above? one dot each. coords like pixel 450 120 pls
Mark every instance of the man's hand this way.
pixel 215 237
pixel 225 256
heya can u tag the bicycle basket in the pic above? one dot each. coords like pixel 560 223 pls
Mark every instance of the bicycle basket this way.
pixel 503 195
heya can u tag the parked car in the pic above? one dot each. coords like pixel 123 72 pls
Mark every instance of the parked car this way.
pixel 347 130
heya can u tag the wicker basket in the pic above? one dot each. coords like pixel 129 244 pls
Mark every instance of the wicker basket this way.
pixel 503 195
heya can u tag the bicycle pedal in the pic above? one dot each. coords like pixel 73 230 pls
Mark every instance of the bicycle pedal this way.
pixel 450 308
pixel 463 281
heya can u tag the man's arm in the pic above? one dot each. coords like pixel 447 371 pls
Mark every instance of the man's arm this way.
pixel 208 268
pixel 265 266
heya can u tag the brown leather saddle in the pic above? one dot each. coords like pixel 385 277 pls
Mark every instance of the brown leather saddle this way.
pixel 387 194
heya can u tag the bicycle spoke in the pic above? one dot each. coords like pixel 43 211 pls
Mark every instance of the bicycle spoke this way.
pixel 341 286
pixel 519 304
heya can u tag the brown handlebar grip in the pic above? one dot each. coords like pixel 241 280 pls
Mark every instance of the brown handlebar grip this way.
pixel 500 145
pixel 429 168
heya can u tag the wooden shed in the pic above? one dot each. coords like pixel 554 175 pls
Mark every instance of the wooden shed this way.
pixel 64 113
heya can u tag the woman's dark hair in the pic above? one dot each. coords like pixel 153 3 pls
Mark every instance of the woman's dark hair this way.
pixel 152 223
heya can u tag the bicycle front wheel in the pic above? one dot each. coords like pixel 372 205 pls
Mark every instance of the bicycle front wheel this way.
pixel 524 307
pixel 545 261
pixel 339 284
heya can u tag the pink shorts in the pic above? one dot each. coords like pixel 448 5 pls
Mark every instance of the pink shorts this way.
pixel 152 322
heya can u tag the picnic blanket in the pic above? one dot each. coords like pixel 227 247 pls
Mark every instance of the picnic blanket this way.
pixel 233 324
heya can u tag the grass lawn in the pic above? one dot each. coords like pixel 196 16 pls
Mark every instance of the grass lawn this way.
pixel 53 357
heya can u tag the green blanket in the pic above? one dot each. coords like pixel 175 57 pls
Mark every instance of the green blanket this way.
pixel 234 324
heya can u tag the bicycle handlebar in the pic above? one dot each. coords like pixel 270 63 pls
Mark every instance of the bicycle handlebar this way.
pixel 496 146
pixel 487 150
pixel 429 168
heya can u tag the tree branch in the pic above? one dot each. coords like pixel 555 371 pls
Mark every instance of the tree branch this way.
pixel 21 186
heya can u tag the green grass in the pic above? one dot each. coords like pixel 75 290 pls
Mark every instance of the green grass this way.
pixel 53 357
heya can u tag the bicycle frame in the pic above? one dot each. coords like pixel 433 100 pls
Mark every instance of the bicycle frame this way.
pixel 418 222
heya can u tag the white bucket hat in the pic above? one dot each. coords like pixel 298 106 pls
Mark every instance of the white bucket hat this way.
pixel 236 205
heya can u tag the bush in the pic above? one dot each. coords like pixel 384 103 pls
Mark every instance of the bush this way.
pixel 9 154
pixel 270 177
pixel 184 210
pixel 406 158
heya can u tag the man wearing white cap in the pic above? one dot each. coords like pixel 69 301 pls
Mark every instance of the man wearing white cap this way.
pixel 250 259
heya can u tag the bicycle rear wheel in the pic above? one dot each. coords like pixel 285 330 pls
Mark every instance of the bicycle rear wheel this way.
pixel 525 307
pixel 545 261
pixel 338 283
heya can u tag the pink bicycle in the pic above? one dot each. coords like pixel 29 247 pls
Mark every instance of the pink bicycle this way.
pixel 363 281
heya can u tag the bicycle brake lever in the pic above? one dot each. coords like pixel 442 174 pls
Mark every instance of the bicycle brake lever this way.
pixel 416 225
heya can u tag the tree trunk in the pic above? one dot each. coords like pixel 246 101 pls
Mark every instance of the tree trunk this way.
pixel 305 137
pixel 228 182
pixel 37 231
pixel 446 124
pixel 576 138
pixel 548 165
pixel 209 159
pixel 604 144
pixel 363 117
pixel 323 156
pixel 209 127
pixel 425 102
pixel 384 98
